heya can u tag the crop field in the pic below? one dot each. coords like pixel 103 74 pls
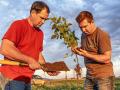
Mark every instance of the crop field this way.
pixel 67 85
pixel 70 84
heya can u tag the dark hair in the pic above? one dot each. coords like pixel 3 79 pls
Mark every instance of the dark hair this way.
pixel 84 15
pixel 38 6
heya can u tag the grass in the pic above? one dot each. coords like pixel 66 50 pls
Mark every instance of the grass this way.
pixel 67 85
pixel 117 84
pixel 60 85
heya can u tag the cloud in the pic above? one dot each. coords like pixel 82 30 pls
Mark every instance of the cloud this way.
pixel 1 56
pixel 97 6
pixel 54 50
pixel 116 65
pixel 62 75
pixel 4 3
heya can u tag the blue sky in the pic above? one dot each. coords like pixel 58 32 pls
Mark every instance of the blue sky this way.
pixel 106 14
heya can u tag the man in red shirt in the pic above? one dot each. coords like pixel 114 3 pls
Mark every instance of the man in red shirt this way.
pixel 23 42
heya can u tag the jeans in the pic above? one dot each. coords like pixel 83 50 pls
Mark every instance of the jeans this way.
pixel 17 85
pixel 7 84
pixel 99 84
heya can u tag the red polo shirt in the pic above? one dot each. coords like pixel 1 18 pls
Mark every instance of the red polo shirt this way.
pixel 29 41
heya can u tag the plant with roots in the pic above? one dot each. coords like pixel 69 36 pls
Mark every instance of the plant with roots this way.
pixel 61 30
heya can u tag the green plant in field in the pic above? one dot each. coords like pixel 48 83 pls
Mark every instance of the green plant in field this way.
pixel 61 30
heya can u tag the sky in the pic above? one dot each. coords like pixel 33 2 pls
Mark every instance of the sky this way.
pixel 106 14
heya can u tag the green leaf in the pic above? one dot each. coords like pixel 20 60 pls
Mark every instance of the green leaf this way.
pixel 54 19
pixel 66 55
pixel 53 26
pixel 74 60
pixel 59 19
pixel 53 36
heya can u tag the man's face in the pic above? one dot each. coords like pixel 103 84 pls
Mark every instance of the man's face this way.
pixel 39 18
pixel 86 27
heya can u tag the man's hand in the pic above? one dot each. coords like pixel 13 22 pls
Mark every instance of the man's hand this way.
pixel 79 51
pixel 73 49
pixel 33 64
pixel 53 73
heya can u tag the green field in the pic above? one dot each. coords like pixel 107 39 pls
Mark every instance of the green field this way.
pixel 67 85
pixel 60 85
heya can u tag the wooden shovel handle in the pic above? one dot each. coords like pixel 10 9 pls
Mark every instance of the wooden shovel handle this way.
pixel 8 62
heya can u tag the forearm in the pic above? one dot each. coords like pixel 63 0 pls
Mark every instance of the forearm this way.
pixel 102 58
pixel 41 59
pixel 14 54
pixel 99 58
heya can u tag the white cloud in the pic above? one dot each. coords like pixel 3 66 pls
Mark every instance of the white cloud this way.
pixel 116 65
pixel 1 56
pixel 98 6
pixel 62 75
pixel 4 3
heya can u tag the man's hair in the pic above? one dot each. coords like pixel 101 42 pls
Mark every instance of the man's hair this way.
pixel 38 6
pixel 84 15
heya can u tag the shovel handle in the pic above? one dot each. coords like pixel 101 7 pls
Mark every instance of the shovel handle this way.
pixel 8 62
